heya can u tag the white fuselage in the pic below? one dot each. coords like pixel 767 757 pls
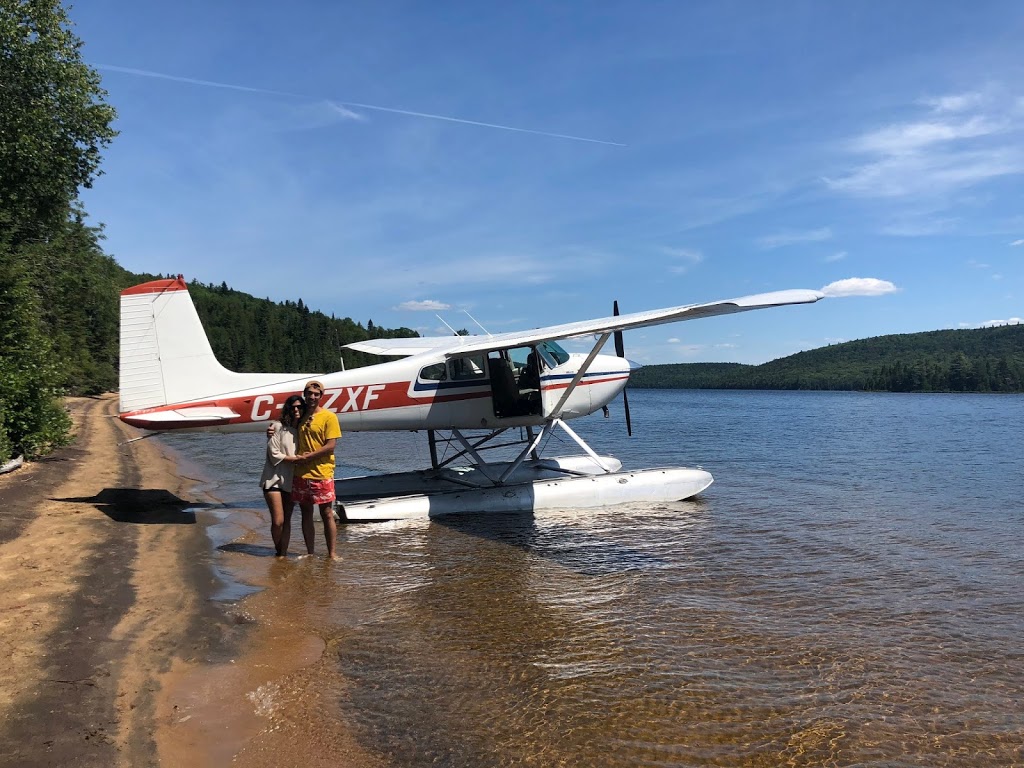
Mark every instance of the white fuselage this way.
pixel 393 396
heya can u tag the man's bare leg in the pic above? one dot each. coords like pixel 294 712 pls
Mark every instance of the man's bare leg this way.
pixel 308 530
pixel 330 529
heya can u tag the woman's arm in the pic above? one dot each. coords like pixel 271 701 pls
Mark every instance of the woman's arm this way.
pixel 277 451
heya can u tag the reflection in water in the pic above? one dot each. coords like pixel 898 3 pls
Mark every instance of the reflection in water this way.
pixel 847 593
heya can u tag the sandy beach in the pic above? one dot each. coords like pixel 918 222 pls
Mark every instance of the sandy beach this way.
pixel 117 654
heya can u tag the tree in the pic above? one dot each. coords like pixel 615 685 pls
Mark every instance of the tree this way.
pixel 53 124
pixel 53 121
pixel 32 420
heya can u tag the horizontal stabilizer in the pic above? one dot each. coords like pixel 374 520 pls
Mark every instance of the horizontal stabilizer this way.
pixel 199 416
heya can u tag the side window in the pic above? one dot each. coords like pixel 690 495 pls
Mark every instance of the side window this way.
pixel 555 352
pixel 519 357
pixel 470 367
pixel 435 372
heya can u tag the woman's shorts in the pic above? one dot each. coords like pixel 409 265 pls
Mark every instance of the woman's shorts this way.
pixel 310 491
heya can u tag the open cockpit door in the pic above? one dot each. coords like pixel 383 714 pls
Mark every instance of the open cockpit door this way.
pixel 554 378
pixel 515 382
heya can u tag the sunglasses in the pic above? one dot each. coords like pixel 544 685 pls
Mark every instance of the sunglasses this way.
pixel 309 392
pixel 296 407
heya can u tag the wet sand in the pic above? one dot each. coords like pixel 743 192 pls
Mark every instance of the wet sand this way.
pixel 117 654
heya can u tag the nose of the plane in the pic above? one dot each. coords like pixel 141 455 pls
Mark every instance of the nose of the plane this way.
pixel 615 365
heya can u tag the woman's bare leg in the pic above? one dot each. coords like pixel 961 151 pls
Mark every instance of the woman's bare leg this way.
pixel 276 507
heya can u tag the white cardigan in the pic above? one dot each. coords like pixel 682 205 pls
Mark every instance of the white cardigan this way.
pixel 277 473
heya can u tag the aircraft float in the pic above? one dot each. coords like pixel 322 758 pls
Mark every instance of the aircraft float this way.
pixel 468 393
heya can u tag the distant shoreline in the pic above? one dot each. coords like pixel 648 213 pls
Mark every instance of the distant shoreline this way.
pixel 977 360
pixel 820 389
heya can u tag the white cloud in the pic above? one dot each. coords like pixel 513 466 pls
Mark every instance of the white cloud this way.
pixel 909 137
pixel 965 140
pixel 427 305
pixel 778 240
pixel 954 102
pixel 859 286
pixel 1018 242
pixel 1008 321
pixel 388 276
pixel 684 258
pixel 838 256
pixel 915 226
pixel 345 113
pixel 923 174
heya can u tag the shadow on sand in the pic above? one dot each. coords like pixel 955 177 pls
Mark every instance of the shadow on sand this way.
pixel 132 505
pixel 256 550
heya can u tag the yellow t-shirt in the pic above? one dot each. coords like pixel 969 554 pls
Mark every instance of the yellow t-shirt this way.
pixel 314 432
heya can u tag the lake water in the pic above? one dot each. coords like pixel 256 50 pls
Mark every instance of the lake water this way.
pixel 850 591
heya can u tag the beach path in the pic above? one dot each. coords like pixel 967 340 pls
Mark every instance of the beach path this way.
pixel 102 573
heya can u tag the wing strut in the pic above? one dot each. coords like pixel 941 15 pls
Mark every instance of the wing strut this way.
pixel 535 440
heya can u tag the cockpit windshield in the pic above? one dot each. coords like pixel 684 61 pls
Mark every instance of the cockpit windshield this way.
pixel 552 353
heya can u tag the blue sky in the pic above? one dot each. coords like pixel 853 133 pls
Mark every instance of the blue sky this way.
pixel 530 162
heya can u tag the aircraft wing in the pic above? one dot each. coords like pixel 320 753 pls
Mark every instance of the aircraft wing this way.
pixel 404 347
pixel 459 345
pixel 627 322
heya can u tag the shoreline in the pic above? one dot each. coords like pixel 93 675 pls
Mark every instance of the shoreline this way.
pixel 119 653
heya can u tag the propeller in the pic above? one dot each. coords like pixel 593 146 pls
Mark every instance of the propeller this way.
pixel 620 350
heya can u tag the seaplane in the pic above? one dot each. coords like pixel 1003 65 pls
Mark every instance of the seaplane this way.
pixel 469 394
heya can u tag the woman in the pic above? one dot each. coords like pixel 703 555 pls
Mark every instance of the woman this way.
pixel 276 480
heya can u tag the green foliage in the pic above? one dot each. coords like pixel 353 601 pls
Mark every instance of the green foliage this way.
pixel 980 360
pixel 6 447
pixel 53 122
pixel 78 287
pixel 33 420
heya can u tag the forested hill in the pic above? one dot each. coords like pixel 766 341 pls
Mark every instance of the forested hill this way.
pixel 251 334
pixel 978 360
pixel 248 334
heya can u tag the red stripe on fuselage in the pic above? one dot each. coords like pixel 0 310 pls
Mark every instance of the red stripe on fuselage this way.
pixel 585 382
pixel 340 400
pixel 265 407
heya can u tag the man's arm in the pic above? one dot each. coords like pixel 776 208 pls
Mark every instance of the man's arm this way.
pixel 324 450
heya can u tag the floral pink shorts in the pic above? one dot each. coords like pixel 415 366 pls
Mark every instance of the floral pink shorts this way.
pixel 310 491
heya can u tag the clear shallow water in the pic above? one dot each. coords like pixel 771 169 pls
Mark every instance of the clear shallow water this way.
pixel 850 591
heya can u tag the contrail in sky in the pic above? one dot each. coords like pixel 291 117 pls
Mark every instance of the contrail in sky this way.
pixel 248 89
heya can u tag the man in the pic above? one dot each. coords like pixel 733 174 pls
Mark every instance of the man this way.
pixel 314 469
